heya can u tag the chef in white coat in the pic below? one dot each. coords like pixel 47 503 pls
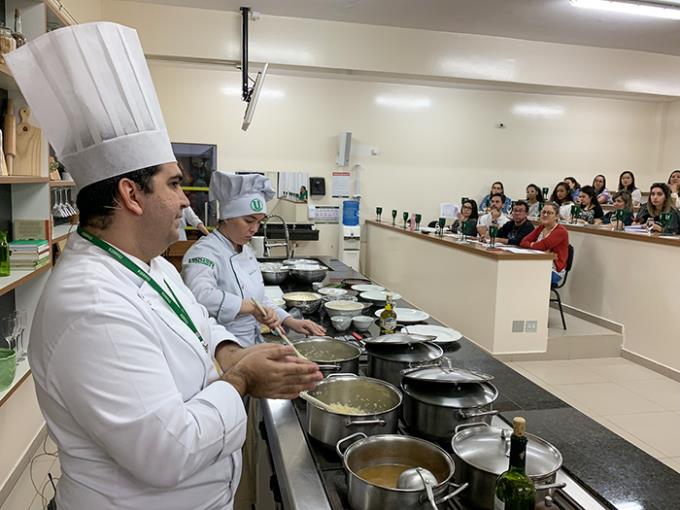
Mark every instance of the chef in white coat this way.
pixel 222 270
pixel 125 361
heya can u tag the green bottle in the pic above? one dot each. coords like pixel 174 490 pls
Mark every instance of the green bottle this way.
pixel 514 489
pixel 4 255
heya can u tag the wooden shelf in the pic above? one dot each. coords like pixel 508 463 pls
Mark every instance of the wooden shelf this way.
pixel 20 179
pixel 19 278
pixel 23 371
pixel 62 184
pixel 61 232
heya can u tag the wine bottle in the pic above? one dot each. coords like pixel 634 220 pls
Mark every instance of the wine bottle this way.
pixel 514 489
pixel 388 317
pixel 4 255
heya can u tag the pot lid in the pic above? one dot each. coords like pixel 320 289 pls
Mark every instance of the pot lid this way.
pixel 399 339
pixel 406 353
pixel 488 449
pixel 457 396
pixel 444 373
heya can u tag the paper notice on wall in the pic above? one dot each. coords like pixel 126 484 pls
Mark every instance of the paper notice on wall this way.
pixel 324 213
pixel 448 210
pixel 341 184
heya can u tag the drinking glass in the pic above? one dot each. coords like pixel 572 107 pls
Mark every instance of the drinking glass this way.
pixel 394 216
pixel 405 216
pixel 650 225
pixel 378 212
pixel 418 219
pixel 8 330
pixel 20 324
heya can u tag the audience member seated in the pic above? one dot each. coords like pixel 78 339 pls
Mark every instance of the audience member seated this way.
pixel 659 204
pixel 496 187
pixel 591 211
pixel 674 185
pixel 622 201
pixel 627 183
pixel 601 192
pixel 561 195
pixel 552 237
pixel 574 188
pixel 468 215
pixel 514 231
pixel 534 199
pixel 495 215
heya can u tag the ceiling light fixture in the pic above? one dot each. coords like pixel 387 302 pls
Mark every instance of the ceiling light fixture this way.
pixel 667 10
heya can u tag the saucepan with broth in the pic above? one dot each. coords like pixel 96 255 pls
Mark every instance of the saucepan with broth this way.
pixel 357 404
pixel 374 464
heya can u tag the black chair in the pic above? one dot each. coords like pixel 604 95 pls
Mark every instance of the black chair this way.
pixel 554 288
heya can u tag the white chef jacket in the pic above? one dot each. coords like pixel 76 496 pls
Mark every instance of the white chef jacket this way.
pixel 123 385
pixel 485 220
pixel 189 217
pixel 221 278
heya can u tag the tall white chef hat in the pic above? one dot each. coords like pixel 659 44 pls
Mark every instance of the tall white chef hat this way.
pixel 240 195
pixel 90 89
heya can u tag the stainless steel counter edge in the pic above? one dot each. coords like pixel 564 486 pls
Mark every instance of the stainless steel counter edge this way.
pixel 299 481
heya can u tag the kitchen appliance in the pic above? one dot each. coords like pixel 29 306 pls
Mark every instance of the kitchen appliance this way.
pixel 350 234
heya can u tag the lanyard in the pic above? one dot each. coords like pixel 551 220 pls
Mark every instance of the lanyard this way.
pixel 172 302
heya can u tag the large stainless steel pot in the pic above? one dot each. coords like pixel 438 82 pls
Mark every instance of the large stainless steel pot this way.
pixel 332 356
pixel 273 273
pixel 309 273
pixel 435 404
pixel 481 453
pixel 394 449
pixel 386 361
pixel 380 400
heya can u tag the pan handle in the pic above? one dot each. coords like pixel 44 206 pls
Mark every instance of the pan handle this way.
pixel 466 415
pixel 547 486
pixel 338 445
pixel 470 425
pixel 375 421
pixel 458 490
pixel 335 367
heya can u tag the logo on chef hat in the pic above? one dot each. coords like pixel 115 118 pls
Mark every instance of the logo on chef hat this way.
pixel 256 205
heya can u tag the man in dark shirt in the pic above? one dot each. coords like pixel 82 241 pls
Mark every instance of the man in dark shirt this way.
pixel 513 231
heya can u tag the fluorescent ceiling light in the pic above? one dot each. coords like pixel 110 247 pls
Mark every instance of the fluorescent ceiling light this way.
pixel 266 92
pixel 665 10
pixel 537 110
pixel 403 102
pixel 481 68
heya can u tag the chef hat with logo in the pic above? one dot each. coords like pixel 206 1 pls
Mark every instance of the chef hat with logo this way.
pixel 240 195
pixel 90 89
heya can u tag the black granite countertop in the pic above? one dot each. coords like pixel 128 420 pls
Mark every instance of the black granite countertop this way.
pixel 618 473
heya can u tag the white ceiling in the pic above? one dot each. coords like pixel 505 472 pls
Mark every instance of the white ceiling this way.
pixel 541 20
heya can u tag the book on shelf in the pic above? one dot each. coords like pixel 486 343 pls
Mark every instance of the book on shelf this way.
pixel 27 265
pixel 29 246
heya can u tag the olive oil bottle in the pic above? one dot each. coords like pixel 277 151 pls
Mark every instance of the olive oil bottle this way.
pixel 388 317
pixel 514 489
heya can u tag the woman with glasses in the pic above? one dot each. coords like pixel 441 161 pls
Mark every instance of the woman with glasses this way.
pixel 552 237
pixel 468 215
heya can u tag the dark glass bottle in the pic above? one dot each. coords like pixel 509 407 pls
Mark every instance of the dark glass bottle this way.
pixel 514 489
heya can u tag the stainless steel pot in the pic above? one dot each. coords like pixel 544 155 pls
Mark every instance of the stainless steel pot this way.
pixel 309 273
pixel 380 400
pixel 306 302
pixel 395 449
pixel 332 356
pixel 434 410
pixel 481 453
pixel 386 361
pixel 273 273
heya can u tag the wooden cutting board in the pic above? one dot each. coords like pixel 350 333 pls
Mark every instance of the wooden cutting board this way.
pixel 29 146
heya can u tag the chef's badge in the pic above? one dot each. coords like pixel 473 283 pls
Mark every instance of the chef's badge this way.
pixel 256 205
pixel 202 260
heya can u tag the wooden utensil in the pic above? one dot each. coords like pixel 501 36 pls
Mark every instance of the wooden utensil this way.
pixel 279 330
pixel 28 146
pixel 313 400
pixel 9 142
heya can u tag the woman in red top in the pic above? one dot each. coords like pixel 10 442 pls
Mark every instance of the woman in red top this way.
pixel 552 237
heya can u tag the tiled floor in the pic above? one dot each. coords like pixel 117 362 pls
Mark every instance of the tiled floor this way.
pixel 638 404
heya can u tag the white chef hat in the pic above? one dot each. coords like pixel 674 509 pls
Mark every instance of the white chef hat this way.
pixel 90 89
pixel 240 195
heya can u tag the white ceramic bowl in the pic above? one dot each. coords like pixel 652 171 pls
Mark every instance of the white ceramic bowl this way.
pixel 340 322
pixel 362 322
pixel 332 291
pixel 378 296
pixel 343 308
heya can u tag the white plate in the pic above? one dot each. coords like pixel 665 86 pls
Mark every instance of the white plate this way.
pixel 332 291
pixel 379 296
pixel 407 315
pixel 444 335
pixel 367 288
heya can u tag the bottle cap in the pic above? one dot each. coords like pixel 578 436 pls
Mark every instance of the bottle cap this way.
pixel 519 425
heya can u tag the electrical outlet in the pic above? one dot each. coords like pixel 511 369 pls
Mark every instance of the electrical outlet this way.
pixel 532 326
pixel 518 326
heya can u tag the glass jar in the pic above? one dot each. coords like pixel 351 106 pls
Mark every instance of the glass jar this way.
pixel 7 42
